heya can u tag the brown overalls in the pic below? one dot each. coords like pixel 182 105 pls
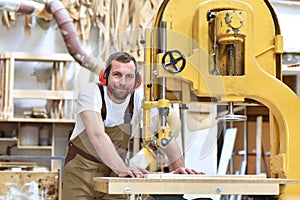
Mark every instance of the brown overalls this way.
pixel 83 164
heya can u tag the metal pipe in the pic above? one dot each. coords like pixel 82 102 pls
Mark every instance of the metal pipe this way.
pixel 162 46
pixel 230 66
pixel 162 36
pixel 183 128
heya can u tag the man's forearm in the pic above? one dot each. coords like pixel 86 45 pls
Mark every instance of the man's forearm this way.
pixel 108 154
pixel 101 141
pixel 174 155
pixel 177 163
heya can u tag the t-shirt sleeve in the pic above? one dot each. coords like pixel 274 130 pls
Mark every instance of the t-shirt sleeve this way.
pixel 89 98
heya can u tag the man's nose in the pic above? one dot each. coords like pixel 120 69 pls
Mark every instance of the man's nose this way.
pixel 122 80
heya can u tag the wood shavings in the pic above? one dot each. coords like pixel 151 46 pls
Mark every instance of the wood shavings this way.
pixel 27 24
pixel 294 65
pixel 119 22
pixel 8 19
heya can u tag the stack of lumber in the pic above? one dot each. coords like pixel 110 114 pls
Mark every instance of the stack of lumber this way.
pixel 14 164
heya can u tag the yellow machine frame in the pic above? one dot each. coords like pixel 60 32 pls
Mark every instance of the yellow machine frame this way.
pixel 187 30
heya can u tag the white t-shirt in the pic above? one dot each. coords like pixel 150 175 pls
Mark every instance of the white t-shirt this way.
pixel 89 98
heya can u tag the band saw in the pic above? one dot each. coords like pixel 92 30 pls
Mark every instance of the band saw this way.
pixel 225 52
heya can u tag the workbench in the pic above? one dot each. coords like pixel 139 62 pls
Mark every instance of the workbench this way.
pixel 191 184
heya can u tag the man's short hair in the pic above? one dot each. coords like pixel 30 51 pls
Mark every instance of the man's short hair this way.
pixel 121 56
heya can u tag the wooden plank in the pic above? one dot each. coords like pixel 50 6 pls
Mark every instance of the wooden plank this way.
pixel 199 184
pixel 56 86
pixel 11 78
pixel 6 87
pixel 25 56
pixel 14 163
pixel 227 150
pixel 188 176
pixel 63 87
pixel 33 147
pixel 42 120
pixel 17 164
pixel 43 94
pixel 6 139
pixel 3 72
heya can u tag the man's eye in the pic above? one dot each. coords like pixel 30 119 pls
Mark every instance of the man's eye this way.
pixel 130 76
pixel 116 74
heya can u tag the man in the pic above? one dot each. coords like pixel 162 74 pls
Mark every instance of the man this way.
pixel 108 116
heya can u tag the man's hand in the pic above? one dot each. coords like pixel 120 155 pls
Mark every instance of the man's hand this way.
pixel 183 170
pixel 134 172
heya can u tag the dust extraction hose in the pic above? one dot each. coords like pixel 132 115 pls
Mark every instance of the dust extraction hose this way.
pixel 65 24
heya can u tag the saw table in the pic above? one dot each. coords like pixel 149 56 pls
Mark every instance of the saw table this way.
pixel 191 184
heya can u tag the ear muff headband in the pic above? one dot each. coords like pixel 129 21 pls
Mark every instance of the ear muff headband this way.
pixel 104 75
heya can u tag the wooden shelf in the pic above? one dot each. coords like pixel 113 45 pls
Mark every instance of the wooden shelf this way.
pixel 34 147
pixel 14 139
pixel 58 97
pixel 43 94
pixel 39 120
pixel 30 56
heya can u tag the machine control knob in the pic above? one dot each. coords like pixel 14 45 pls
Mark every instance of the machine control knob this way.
pixel 173 61
pixel 164 142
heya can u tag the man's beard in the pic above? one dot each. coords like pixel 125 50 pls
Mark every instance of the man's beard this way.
pixel 121 96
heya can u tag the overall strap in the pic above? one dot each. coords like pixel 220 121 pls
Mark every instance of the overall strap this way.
pixel 129 110
pixel 103 109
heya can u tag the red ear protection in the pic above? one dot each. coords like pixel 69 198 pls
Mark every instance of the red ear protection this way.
pixel 138 81
pixel 103 75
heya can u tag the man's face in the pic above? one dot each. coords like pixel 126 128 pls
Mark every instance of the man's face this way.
pixel 121 80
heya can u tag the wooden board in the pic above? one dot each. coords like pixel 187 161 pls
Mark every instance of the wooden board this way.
pixel 191 184
pixel 29 185
pixel 43 94
pixel 29 56
pixel 17 164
